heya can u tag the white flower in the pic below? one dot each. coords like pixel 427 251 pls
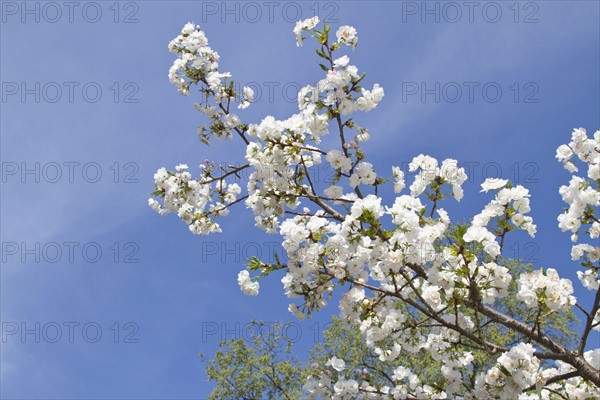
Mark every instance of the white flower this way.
pixel 371 204
pixel 568 222
pixel 338 160
pixel 453 175
pixel 370 99
pixel 493 183
pixel 480 234
pixel 333 192
pixel 589 279
pixel 305 25
pixel 247 97
pixel 347 35
pixel 306 96
pixel 363 136
pixel 579 250
pixel 364 174
pixel 296 312
pixel 522 205
pixel 336 363
pixel 345 389
pixel 563 152
pixel 477 234
pixel 431 295
pixel 428 170
pixel 341 62
pixel 155 205
pixel 248 287
pixel 595 230
pixel 399 183
pixel 593 358
pixel 188 28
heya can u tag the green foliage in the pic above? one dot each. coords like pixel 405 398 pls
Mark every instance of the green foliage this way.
pixel 262 368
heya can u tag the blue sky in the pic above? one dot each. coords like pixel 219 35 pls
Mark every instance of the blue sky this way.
pixel 175 289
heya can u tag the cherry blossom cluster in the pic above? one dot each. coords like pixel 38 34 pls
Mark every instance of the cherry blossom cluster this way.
pixel 515 371
pixel 411 280
pixel 545 288
pixel 571 388
pixel 583 197
pixel 339 383
pixel 507 211
pixel 198 64
pixel 198 202
pixel 429 172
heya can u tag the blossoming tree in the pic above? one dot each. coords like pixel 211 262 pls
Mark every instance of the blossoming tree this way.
pixel 411 281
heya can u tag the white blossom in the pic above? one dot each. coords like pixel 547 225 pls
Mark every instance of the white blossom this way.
pixel 248 287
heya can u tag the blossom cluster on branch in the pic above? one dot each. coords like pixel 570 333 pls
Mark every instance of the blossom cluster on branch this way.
pixel 411 279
